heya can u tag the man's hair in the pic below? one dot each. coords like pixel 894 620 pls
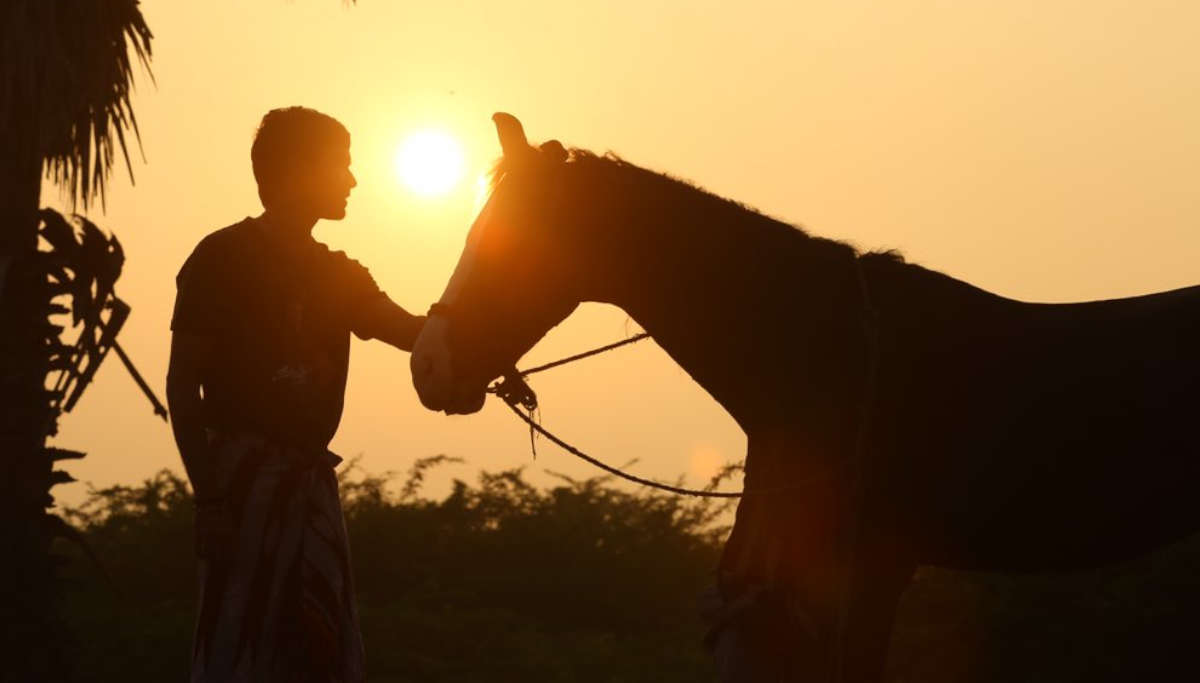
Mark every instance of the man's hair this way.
pixel 287 136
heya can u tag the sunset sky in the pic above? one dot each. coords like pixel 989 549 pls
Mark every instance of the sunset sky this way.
pixel 1046 151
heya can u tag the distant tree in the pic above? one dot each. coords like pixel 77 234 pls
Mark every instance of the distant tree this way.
pixel 66 69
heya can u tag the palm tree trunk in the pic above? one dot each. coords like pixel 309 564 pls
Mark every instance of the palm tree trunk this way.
pixel 22 374
pixel 33 632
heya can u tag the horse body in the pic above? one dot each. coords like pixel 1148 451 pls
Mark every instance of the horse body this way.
pixel 1016 436
pixel 1041 436
pixel 894 415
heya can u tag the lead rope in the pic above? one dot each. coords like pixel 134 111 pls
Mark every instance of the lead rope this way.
pixel 585 354
pixel 612 470
pixel 517 394
pixel 513 388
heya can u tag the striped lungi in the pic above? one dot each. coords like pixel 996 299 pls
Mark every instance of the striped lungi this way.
pixel 279 604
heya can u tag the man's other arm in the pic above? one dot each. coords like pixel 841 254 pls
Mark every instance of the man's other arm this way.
pixel 189 353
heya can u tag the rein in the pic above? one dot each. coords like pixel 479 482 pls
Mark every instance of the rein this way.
pixel 585 354
pixel 517 394
pixel 533 425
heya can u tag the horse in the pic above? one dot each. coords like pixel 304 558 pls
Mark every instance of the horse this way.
pixel 894 415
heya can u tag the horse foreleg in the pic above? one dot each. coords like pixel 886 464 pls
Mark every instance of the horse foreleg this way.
pixel 859 647
pixel 794 603
pixel 794 629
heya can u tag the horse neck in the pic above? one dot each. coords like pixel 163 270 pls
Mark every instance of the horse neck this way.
pixel 758 313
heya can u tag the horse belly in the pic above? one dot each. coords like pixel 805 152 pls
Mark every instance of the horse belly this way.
pixel 1061 523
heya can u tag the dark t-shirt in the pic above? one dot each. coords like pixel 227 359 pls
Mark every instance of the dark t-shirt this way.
pixel 279 313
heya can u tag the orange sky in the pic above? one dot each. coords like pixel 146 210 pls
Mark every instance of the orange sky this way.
pixel 1043 150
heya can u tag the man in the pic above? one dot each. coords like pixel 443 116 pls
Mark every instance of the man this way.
pixel 259 354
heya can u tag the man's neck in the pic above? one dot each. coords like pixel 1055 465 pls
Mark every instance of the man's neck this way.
pixel 287 225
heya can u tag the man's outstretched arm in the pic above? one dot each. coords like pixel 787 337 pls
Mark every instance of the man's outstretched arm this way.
pixel 189 352
pixel 386 321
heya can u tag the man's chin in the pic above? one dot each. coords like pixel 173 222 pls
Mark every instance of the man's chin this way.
pixel 335 213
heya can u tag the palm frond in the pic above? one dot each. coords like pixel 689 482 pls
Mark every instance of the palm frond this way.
pixel 66 78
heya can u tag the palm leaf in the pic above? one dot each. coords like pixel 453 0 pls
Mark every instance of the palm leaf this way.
pixel 66 78
pixel 101 259
pixel 59 233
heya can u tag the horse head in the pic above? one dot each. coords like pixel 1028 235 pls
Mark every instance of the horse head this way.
pixel 512 282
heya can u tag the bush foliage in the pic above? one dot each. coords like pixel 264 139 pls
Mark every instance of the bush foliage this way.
pixel 582 581
pixel 496 581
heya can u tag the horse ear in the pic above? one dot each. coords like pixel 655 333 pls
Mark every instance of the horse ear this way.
pixel 512 135
pixel 554 150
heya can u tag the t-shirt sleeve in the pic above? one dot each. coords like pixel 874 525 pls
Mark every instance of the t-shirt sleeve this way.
pixel 201 297
pixel 361 296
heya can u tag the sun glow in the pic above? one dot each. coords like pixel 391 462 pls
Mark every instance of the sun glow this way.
pixel 429 162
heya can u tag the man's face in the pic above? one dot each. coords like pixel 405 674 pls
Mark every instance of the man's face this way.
pixel 322 184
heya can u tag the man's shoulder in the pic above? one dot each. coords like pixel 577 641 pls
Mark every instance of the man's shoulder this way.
pixel 226 239
pixel 346 270
pixel 215 253
pixel 339 259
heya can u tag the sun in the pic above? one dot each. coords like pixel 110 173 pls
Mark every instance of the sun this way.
pixel 429 162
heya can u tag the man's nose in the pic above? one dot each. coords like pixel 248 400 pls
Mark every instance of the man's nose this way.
pixel 353 180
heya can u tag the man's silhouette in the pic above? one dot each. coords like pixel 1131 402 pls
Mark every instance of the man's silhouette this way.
pixel 259 354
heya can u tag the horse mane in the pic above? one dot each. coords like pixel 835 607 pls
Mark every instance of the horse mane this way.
pixel 673 188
